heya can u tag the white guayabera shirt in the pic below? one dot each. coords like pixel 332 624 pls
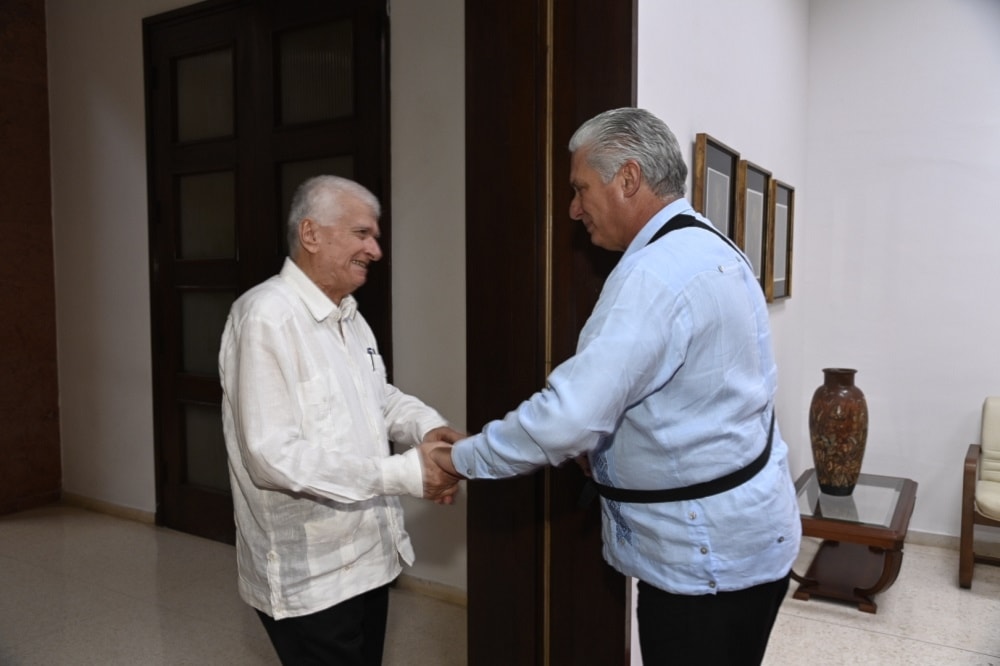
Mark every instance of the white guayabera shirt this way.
pixel 308 415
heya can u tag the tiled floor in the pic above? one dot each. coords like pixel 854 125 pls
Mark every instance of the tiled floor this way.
pixel 925 618
pixel 78 587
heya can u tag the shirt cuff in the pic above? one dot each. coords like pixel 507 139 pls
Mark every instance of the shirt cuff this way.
pixel 403 474
pixel 463 457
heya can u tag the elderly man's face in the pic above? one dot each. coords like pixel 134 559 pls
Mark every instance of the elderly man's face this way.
pixel 347 248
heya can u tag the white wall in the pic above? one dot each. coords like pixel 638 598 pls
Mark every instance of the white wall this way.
pixel 885 117
pixel 898 250
pixel 101 246
pixel 738 71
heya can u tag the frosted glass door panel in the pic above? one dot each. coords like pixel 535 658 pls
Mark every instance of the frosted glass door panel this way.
pixel 206 447
pixel 203 316
pixel 205 96
pixel 316 68
pixel 207 216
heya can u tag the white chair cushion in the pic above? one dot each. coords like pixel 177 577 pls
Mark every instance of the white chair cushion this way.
pixel 990 439
pixel 989 469
pixel 988 499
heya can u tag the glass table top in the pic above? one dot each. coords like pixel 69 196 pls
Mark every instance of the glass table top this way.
pixel 873 501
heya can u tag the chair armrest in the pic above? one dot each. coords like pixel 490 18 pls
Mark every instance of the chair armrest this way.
pixel 969 472
pixel 972 455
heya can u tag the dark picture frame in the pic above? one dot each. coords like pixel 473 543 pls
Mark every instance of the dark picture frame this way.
pixel 714 182
pixel 780 228
pixel 753 194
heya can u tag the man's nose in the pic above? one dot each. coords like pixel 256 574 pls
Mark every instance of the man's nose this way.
pixel 374 249
pixel 575 211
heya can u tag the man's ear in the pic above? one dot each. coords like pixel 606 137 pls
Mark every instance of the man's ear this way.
pixel 631 174
pixel 309 235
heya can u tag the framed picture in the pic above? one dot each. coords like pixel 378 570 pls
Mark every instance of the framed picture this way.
pixel 778 283
pixel 714 182
pixel 753 194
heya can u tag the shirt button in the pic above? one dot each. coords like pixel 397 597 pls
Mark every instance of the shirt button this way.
pixel 468 473
pixel 711 584
pixel 704 551
pixel 721 269
pixel 692 515
pixel 781 539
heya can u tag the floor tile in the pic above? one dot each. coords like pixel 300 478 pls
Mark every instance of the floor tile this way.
pixel 80 588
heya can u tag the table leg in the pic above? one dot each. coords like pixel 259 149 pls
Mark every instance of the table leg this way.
pixel 844 571
pixel 892 561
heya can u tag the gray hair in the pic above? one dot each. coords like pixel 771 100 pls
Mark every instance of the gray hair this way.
pixel 321 199
pixel 616 136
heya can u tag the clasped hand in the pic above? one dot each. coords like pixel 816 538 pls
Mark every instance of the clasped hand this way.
pixel 440 478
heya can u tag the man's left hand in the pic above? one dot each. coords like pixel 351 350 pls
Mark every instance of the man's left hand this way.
pixel 444 434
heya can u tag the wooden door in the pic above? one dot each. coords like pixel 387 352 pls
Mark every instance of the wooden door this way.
pixel 539 591
pixel 244 100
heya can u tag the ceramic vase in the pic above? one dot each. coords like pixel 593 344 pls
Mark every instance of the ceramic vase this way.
pixel 838 430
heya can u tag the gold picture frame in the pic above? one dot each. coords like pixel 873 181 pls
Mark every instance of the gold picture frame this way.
pixel 781 225
pixel 753 195
pixel 714 182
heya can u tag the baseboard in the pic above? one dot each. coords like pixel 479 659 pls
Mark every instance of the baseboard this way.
pixel 428 588
pixel 101 506
pixel 929 539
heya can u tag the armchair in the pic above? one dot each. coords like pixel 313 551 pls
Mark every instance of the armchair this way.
pixel 980 491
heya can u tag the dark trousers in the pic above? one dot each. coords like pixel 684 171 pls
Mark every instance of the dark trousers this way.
pixel 352 633
pixel 718 629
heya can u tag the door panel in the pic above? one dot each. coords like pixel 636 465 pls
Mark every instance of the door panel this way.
pixel 245 100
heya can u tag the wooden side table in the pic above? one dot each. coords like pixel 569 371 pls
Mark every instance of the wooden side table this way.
pixel 863 535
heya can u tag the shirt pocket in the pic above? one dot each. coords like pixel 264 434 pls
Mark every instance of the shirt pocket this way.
pixel 377 380
pixel 325 417
pixel 338 540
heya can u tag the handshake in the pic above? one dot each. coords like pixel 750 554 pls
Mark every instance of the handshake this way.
pixel 440 477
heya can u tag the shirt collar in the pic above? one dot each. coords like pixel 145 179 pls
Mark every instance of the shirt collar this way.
pixel 319 304
pixel 652 226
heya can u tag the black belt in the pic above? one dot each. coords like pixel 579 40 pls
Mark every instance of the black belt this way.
pixel 694 491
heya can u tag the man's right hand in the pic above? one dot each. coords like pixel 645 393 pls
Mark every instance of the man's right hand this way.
pixel 440 479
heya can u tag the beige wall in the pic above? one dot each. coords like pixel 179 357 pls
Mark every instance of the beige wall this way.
pixel 427 74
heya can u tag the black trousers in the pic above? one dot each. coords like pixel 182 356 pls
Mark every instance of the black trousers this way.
pixel 352 633
pixel 718 629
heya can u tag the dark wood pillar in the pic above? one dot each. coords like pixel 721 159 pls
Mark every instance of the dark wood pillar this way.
pixel 30 465
pixel 539 590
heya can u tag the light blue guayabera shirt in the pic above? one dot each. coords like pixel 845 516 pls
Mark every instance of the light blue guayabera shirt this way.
pixel 672 384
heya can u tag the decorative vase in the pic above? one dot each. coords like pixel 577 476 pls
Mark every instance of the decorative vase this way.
pixel 838 430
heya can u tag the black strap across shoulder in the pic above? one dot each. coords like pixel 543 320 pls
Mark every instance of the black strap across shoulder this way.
pixel 697 490
pixel 683 221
